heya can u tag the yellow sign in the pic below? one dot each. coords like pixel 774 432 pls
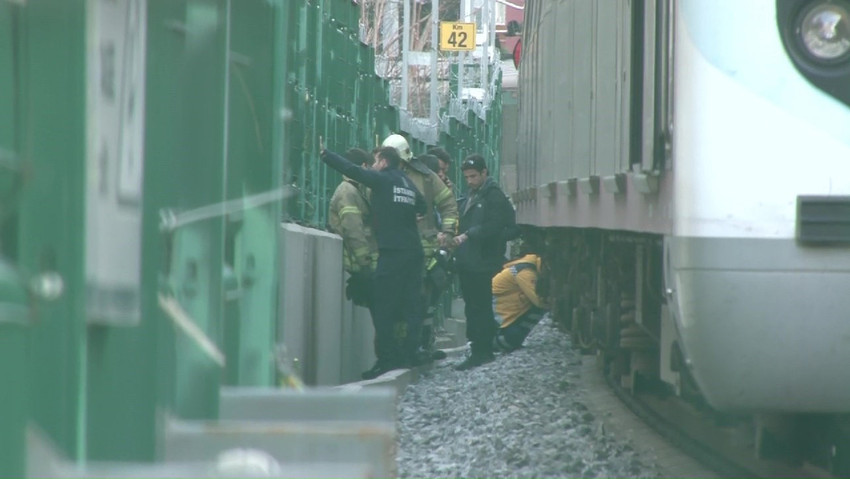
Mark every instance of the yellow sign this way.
pixel 457 36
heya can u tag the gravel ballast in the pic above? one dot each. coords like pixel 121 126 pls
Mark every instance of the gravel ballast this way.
pixel 520 416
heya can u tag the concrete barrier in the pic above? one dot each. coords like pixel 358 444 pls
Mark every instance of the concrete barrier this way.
pixel 324 426
pixel 327 338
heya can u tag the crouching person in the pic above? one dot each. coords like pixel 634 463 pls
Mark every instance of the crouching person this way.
pixel 516 303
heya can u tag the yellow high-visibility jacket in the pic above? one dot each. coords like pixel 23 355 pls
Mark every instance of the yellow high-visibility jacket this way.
pixel 514 289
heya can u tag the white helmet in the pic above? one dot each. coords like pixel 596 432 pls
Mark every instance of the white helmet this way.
pixel 399 143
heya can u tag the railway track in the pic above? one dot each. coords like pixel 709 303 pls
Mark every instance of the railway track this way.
pixel 724 446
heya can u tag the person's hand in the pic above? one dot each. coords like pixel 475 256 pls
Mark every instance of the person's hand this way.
pixel 461 238
pixel 442 238
pixel 321 144
pixel 446 180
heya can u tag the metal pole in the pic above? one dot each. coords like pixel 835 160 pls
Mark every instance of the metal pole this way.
pixel 405 46
pixel 485 31
pixel 461 58
pixel 493 33
pixel 435 32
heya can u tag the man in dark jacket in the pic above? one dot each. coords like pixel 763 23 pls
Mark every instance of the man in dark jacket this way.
pixel 395 203
pixel 485 215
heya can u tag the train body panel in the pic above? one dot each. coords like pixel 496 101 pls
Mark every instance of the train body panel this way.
pixel 762 319
pixel 763 323
pixel 751 134
pixel 718 146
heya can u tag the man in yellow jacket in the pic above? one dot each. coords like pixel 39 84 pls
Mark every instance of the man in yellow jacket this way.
pixel 516 304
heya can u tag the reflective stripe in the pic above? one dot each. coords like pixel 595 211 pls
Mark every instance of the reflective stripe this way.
pixel 443 195
pixel 349 209
pixel 431 263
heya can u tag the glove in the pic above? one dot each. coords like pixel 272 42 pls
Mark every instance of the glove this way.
pixel 358 288
pixel 440 273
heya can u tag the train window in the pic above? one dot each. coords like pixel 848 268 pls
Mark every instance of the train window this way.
pixel 652 110
pixel 664 125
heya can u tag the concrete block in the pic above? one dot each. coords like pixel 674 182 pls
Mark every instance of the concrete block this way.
pixel 314 404
pixel 328 298
pixel 358 336
pixel 296 289
pixel 299 442
pixel 316 426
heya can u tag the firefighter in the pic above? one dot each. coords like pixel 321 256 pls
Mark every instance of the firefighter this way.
pixel 348 216
pixel 436 229
pixel 396 207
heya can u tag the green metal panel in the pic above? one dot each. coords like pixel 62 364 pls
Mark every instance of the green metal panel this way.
pixel 52 105
pixel 163 132
pixel 10 161
pixel 121 373
pixel 13 401
pixel 184 173
pixel 198 248
pixel 14 318
pixel 256 48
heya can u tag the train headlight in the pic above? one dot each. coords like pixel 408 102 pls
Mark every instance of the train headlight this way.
pixel 823 29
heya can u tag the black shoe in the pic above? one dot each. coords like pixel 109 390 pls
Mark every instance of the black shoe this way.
pixel 438 354
pixel 475 360
pixel 420 358
pixel 379 368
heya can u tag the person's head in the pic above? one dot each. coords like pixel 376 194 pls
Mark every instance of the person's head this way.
pixel 532 240
pixel 359 157
pixel 474 171
pixel 443 157
pixel 431 162
pixel 400 144
pixel 386 157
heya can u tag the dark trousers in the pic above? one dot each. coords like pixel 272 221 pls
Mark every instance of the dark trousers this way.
pixel 512 336
pixel 477 291
pixel 396 300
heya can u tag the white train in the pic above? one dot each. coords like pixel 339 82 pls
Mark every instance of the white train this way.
pixel 692 161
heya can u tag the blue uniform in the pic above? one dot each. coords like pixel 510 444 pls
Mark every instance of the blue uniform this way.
pixel 395 204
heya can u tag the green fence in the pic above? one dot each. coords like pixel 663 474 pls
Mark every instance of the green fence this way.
pixel 333 91
pixel 145 148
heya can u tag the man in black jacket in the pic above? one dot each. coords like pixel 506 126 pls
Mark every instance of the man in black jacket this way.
pixel 395 203
pixel 485 216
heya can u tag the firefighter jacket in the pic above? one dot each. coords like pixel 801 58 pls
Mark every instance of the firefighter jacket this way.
pixel 395 203
pixel 349 218
pixel 442 213
pixel 514 289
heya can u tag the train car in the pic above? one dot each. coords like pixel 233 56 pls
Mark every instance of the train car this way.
pixel 691 162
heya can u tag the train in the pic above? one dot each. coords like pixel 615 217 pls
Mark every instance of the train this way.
pixel 690 163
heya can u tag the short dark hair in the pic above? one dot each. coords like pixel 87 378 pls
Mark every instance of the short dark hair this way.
pixel 441 153
pixel 359 157
pixel 391 155
pixel 533 239
pixel 430 161
pixel 474 162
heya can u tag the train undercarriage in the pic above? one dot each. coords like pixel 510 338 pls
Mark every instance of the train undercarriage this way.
pixel 606 289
